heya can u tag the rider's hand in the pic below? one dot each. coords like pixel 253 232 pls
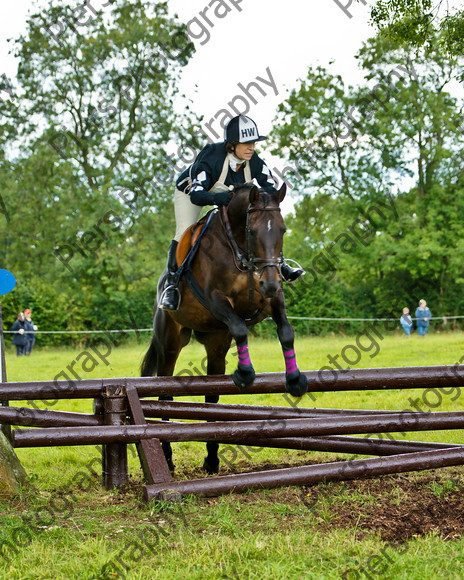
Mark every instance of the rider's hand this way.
pixel 222 198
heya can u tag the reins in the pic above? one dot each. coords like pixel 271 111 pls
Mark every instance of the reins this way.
pixel 246 261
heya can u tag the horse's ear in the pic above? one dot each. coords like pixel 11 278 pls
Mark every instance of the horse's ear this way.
pixel 281 193
pixel 254 194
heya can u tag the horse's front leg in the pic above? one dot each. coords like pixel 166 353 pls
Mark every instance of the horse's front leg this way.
pixel 244 374
pixel 295 382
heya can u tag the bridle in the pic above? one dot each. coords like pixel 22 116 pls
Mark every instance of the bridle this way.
pixel 246 260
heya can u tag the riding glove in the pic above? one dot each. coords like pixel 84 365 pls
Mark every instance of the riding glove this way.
pixel 222 198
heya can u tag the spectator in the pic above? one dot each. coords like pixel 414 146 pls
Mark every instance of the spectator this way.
pixel 19 338
pixel 406 322
pixel 30 334
pixel 423 316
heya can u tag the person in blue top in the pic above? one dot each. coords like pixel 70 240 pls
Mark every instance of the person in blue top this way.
pixel 423 316
pixel 406 322
pixel 210 181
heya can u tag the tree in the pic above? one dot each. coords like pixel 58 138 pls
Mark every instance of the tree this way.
pixel 420 22
pixel 380 168
pixel 86 177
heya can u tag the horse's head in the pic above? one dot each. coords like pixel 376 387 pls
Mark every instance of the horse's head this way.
pixel 257 214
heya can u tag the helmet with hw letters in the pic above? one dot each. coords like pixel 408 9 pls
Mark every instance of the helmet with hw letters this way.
pixel 242 129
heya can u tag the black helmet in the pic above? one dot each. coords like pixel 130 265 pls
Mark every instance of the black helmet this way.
pixel 242 129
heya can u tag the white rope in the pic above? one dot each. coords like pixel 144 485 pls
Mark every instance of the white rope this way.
pixel 78 331
pixel 444 318
pixel 369 319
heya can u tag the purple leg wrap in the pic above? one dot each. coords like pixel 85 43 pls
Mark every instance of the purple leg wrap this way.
pixel 243 356
pixel 290 361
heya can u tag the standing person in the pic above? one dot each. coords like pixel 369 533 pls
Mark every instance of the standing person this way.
pixel 19 338
pixel 406 322
pixel 423 316
pixel 210 181
pixel 30 334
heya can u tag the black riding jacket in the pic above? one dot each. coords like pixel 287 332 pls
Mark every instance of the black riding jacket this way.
pixel 200 177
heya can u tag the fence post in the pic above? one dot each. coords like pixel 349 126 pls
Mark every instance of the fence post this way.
pixel 6 429
pixel 114 455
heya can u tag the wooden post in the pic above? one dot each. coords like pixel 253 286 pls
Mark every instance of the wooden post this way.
pixel 114 455
pixel 6 429
pixel 12 473
pixel 154 466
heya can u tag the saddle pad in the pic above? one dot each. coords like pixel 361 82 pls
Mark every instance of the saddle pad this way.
pixel 188 239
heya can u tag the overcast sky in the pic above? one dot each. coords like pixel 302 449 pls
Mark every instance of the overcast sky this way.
pixel 255 35
pixel 238 41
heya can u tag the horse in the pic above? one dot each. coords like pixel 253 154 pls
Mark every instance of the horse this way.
pixel 236 271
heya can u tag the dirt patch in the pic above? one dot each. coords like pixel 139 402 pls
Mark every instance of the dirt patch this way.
pixel 396 508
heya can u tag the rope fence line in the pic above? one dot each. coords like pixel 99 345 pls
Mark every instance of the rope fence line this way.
pixel 444 318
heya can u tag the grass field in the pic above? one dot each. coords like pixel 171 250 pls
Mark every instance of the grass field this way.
pixel 406 526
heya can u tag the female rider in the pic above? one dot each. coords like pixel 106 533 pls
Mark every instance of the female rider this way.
pixel 209 181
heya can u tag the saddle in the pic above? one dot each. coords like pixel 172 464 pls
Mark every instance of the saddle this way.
pixel 190 237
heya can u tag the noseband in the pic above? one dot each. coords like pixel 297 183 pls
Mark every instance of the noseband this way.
pixel 246 261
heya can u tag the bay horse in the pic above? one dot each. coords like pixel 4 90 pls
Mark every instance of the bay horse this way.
pixel 237 268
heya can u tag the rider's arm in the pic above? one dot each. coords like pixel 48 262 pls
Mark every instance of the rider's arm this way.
pixel 261 172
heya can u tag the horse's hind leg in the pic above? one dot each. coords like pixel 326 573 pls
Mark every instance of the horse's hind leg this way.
pixel 169 338
pixel 216 346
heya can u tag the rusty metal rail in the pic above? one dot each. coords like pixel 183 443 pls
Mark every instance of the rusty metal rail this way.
pixel 226 412
pixel 241 430
pixel 308 475
pixel 318 381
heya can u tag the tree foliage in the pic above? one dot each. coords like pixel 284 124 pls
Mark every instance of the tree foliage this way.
pixel 421 22
pixel 380 170
pixel 86 178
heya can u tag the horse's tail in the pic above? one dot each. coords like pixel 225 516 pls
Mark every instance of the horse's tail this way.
pixel 150 361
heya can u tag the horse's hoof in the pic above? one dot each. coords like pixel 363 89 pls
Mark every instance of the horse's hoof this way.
pixel 211 466
pixel 296 384
pixel 244 376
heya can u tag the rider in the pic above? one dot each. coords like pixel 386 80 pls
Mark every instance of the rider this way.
pixel 209 181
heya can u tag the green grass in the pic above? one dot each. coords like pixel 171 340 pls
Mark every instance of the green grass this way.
pixel 59 530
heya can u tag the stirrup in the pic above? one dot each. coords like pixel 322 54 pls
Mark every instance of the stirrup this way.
pixel 300 267
pixel 170 287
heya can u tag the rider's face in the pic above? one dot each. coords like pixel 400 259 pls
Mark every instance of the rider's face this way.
pixel 244 150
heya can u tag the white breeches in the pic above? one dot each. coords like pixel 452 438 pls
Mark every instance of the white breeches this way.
pixel 186 212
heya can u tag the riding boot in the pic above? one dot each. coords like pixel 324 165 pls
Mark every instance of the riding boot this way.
pixel 290 274
pixel 170 297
